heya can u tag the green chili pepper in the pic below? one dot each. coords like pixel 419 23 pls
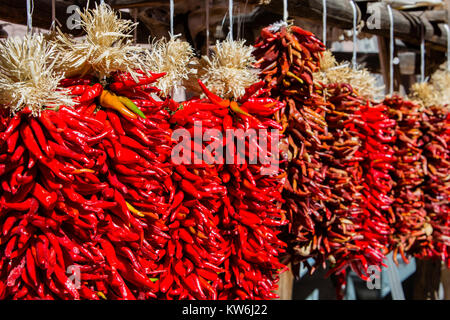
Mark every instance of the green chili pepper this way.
pixel 132 106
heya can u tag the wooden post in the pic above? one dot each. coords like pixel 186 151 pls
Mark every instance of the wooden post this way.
pixel 447 5
pixel 427 279
pixel 286 285
pixel 383 52
pixel 445 279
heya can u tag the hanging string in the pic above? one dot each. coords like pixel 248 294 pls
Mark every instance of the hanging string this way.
pixel 422 52
pixel 447 30
pixel 135 14
pixel 53 26
pixel 242 23
pixel 285 10
pixel 355 18
pixel 207 26
pixel 30 8
pixel 230 13
pixel 391 50
pixel 174 88
pixel 239 21
pixel 324 21
pixel 171 16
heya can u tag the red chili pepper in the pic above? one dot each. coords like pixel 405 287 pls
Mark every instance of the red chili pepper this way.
pixel 90 94
pixel 125 81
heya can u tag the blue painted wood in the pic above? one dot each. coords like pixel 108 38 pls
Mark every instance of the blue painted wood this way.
pixel 350 293
pixel 404 272
pixel 398 274
pixel 393 276
pixel 314 295
pixel 304 270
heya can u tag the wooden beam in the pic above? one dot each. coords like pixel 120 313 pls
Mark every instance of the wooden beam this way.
pixel 339 12
pixel 433 15
pixel 15 12
pixel 407 26
pixel 137 4
pixel 177 3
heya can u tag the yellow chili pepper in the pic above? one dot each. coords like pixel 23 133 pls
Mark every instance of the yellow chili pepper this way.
pixel 141 213
pixel 235 107
pixel 76 171
pixel 132 106
pixel 110 100
pixel 101 295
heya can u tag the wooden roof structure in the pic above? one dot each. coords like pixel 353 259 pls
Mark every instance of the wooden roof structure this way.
pixel 411 18
pixel 154 15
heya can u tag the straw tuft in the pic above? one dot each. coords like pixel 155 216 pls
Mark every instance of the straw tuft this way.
pixel 360 79
pixel 435 92
pixel 106 48
pixel 173 57
pixel 27 75
pixel 230 70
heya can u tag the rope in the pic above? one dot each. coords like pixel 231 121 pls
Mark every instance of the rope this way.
pixel 448 46
pixel 53 26
pixel 135 14
pixel 422 52
pixel 285 10
pixel 230 13
pixel 324 21
pixel 30 9
pixel 355 18
pixel 391 50
pixel 171 16
pixel 207 27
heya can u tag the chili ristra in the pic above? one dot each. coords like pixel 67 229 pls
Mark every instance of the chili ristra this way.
pixel 76 194
pixel 436 130
pixel 421 223
pixel 235 208
pixel 329 171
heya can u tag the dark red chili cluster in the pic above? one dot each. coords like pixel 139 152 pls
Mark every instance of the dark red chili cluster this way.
pixel 409 205
pixel 361 131
pixel 288 58
pixel 421 228
pixel 336 189
pixel 237 200
pixel 436 130
pixel 364 178
pixel 82 194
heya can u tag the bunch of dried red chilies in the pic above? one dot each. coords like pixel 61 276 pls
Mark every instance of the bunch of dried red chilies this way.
pixel 102 201
pixel 83 194
pixel 234 202
pixel 355 167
